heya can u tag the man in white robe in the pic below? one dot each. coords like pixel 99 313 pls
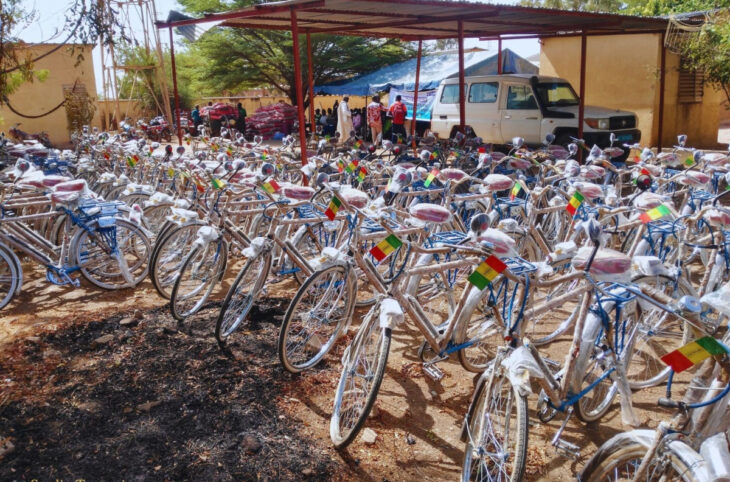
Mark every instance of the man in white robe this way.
pixel 344 120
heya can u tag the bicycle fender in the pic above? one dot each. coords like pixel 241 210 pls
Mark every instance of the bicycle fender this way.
pixel 520 366
pixel 255 248
pixel 205 235
pixel 391 313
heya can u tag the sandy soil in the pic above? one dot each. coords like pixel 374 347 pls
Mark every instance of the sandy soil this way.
pixel 417 420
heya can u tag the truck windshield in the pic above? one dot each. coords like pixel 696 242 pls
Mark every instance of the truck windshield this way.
pixel 556 94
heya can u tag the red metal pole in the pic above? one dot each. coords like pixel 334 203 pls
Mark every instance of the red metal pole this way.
pixel 298 85
pixel 415 91
pixel 310 79
pixel 581 104
pixel 462 100
pixel 662 75
pixel 174 87
pixel 499 56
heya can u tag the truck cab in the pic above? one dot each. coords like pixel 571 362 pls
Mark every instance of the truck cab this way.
pixel 500 107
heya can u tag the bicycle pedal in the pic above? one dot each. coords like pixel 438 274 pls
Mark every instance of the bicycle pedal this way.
pixel 433 372
pixel 566 449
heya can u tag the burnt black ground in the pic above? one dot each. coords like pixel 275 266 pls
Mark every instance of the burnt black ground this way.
pixel 160 401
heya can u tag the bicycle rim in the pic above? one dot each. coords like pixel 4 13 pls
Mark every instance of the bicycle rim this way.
pixel 198 276
pixel 241 296
pixel 359 383
pixel 315 317
pixel 496 446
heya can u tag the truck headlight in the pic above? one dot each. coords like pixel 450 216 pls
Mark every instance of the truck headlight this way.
pixel 600 124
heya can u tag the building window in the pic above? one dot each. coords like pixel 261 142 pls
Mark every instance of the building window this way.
pixel 691 84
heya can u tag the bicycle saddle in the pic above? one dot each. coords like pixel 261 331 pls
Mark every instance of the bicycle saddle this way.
pixel 430 213
pixel 589 190
pixel 607 263
pixel 518 163
pixel 648 200
pixel 504 246
pixel 354 198
pixel 453 174
pixel 498 182
pixel 299 193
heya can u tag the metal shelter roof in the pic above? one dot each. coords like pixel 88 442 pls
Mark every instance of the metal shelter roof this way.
pixel 424 19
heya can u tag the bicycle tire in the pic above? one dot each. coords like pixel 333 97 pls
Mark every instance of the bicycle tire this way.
pixel 10 275
pixel 475 322
pixel 480 424
pixel 82 246
pixel 381 347
pixel 169 254
pixel 619 456
pixel 246 289
pixel 299 314
pixel 214 268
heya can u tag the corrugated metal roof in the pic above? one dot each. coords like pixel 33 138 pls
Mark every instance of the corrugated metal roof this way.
pixel 425 19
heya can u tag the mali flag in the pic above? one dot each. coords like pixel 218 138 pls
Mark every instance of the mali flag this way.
pixel 332 209
pixel 351 167
pixel 574 203
pixel 486 272
pixel 271 187
pixel 654 214
pixel 361 175
pixel 431 176
pixel 383 249
pixel 515 190
pixel 693 353
pixel 217 183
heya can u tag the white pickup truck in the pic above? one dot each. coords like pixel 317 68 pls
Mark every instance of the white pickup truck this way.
pixel 500 107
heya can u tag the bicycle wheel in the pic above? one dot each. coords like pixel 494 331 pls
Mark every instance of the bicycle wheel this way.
pixel 315 318
pixel 496 432
pixel 619 459
pixel 544 328
pixel 655 334
pixel 309 242
pixel 10 275
pixel 241 296
pixel 594 404
pixel 362 373
pixel 154 218
pixel 200 273
pixel 481 331
pixel 169 255
pixel 112 257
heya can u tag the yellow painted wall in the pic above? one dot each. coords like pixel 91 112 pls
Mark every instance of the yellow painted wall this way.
pixel 39 97
pixel 622 72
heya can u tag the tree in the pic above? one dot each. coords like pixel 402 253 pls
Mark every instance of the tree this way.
pixel 238 59
pixel 709 52
pixel 85 21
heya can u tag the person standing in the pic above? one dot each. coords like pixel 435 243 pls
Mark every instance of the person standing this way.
pixel 195 116
pixel 241 121
pixel 344 120
pixel 398 111
pixel 375 119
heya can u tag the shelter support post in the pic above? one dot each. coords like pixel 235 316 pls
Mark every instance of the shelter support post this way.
pixel 174 87
pixel 310 80
pixel 662 79
pixel 415 91
pixel 462 103
pixel 499 55
pixel 581 104
pixel 299 93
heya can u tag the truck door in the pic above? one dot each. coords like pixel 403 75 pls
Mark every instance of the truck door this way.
pixel 481 110
pixel 520 115
pixel 445 112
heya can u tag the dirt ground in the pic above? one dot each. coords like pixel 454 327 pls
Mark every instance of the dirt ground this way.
pixel 107 385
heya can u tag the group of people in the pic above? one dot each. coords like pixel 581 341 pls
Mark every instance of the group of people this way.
pixel 198 118
pixel 367 122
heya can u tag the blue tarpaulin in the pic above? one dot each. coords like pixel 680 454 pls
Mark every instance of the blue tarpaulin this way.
pixel 434 68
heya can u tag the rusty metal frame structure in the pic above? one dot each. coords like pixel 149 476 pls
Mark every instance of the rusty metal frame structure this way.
pixel 419 20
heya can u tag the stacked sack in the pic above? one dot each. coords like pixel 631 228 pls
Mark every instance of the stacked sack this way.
pixel 270 119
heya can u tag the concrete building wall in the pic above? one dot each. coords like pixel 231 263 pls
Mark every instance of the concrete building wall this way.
pixel 39 97
pixel 622 72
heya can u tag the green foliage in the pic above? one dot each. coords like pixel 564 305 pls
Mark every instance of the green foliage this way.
pixel 140 80
pixel 710 52
pixel 632 7
pixel 232 60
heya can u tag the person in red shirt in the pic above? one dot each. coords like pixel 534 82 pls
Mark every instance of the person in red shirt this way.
pixel 398 111
pixel 375 119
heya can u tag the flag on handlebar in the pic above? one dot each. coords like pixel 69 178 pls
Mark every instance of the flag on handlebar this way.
pixel 131 162
pixel 170 172
pixel 689 161
pixel 107 155
pixel 515 190
pixel 654 214
pixel 332 209
pixel 575 203
pixel 217 183
pixel 693 353
pixel 431 176
pixel 434 154
pixel 383 249
pixel 361 175
pixel 351 167
pixel 358 144
pixel 271 187
pixel 340 165
pixel 486 272
pixel 229 151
